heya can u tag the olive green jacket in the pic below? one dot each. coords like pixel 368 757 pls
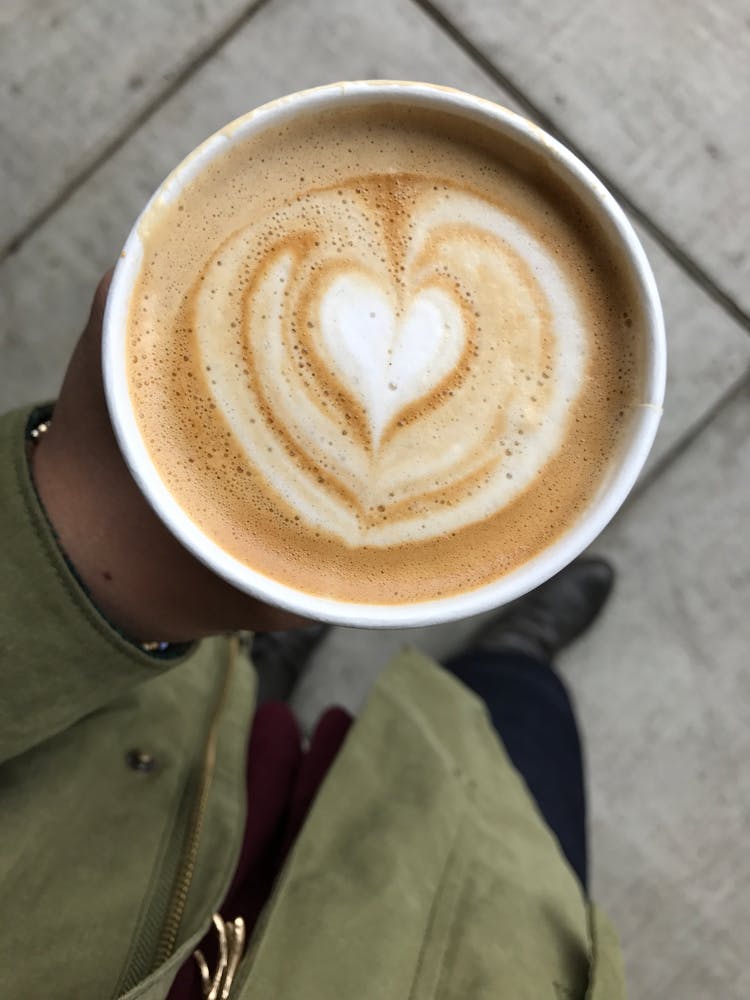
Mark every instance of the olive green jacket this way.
pixel 423 872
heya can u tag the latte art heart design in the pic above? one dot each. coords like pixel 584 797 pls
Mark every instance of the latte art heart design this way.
pixel 387 362
pixel 390 375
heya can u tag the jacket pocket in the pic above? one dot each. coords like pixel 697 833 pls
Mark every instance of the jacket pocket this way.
pixel 497 929
pixel 606 980
pixel 445 905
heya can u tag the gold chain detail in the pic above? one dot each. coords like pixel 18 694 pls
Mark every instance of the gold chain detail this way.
pixel 231 948
pixel 41 428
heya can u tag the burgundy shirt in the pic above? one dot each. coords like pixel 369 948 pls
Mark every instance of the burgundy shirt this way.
pixel 281 785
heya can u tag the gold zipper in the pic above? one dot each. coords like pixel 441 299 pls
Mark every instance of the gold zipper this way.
pixel 186 869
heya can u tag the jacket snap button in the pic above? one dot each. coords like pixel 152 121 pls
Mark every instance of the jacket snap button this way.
pixel 139 760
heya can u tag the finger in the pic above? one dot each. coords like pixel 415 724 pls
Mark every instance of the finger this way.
pixel 100 295
pixel 93 328
pixel 236 609
pixel 270 619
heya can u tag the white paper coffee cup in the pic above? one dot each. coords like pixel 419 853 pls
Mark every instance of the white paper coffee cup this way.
pixel 615 485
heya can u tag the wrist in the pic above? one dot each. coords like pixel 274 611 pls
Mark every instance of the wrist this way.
pixel 90 548
pixel 134 571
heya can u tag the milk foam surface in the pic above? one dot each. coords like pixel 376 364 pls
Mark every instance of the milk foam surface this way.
pixel 376 361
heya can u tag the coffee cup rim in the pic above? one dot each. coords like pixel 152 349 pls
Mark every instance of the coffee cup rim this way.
pixel 612 492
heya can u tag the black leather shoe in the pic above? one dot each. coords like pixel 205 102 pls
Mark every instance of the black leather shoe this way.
pixel 553 615
pixel 280 659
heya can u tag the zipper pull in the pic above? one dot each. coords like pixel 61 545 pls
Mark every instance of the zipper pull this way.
pixel 231 948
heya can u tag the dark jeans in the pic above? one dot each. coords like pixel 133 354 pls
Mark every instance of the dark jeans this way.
pixel 533 715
